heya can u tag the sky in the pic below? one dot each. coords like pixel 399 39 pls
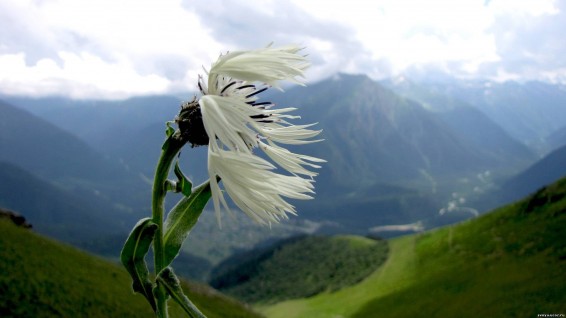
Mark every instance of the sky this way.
pixel 114 49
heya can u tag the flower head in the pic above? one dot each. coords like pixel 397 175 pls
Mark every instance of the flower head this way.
pixel 238 124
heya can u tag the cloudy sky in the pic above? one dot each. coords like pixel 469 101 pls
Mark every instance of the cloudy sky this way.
pixel 119 48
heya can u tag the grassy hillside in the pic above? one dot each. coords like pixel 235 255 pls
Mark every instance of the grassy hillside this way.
pixel 509 263
pixel 299 267
pixel 42 278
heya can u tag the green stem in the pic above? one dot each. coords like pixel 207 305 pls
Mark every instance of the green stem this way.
pixel 170 149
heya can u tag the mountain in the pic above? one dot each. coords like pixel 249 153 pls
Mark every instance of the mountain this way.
pixel 390 160
pixel 99 122
pixel 48 150
pixel 528 111
pixel 129 132
pixel 547 170
pixel 43 278
pixel 557 139
pixel 510 262
pixel 375 135
pixel 66 189
pixel 59 212
pixel 469 122
pixel 53 154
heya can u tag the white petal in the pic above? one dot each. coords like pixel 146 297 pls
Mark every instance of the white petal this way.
pixel 289 161
pixel 227 119
pixel 253 186
pixel 292 134
pixel 267 65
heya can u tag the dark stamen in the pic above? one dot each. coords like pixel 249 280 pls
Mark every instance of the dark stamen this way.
pixel 259 116
pixel 261 104
pixel 226 87
pixel 256 92
pixel 246 86
pixel 262 117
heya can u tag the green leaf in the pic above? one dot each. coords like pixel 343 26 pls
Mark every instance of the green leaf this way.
pixel 183 185
pixel 133 258
pixel 169 280
pixel 181 220
pixel 169 131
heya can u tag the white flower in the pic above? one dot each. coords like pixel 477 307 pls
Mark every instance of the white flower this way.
pixel 237 124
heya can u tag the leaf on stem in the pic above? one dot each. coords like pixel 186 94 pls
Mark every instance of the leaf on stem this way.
pixel 181 220
pixel 133 258
pixel 169 280
pixel 183 185
pixel 169 131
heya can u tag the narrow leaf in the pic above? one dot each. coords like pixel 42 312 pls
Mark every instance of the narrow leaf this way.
pixel 133 258
pixel 183 185
pixel 169 280
pixel 181 220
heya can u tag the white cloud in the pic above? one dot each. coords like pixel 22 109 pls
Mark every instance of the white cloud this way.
pixel 78 75
pixel 110 48
pixel 101 48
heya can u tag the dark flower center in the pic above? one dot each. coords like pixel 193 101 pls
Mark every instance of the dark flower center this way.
pixel 190 124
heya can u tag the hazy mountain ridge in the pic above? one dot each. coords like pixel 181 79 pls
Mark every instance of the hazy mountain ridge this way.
pixel 48 150
pixel 544 171
pixel 468 121
pixel 129 132
pixel 54 154
pixel 370 128
pixel 391 159
pixel 528 111
pixel 66 188
pixel 557 139
pixel 374 135
pixel 376 138
pixel 58 212
pixel 99 122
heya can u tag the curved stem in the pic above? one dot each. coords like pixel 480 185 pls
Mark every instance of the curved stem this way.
pixel 170 149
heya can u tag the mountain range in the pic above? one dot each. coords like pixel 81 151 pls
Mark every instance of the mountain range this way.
pixel 530 112
pixel 398 152
pixel 55 211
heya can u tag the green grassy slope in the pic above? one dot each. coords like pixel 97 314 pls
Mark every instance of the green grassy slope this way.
pixel 42 278
pixel 300 267
pixel 509 263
